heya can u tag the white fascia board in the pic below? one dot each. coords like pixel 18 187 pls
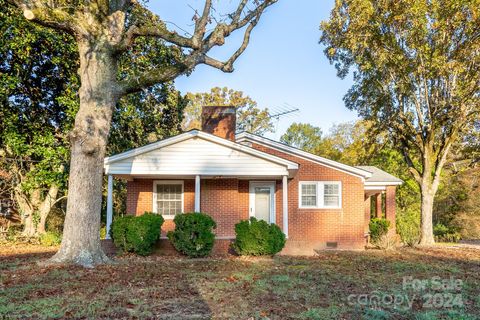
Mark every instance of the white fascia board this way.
pixel 383 183
pixel 245 136
pixel 209 137
pixel 375 187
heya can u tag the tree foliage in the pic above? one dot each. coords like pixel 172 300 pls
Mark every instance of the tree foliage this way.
pixel 416 76
pixel 249 116
pixel 38 103
pixel 303 136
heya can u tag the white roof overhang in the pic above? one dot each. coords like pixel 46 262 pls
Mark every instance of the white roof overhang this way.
pixel 197 153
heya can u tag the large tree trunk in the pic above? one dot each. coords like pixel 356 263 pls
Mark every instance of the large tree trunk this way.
pixel 81 234
pixel 426 222
pixel 428 186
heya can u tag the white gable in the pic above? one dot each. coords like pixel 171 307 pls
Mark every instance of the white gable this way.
pixel 196 155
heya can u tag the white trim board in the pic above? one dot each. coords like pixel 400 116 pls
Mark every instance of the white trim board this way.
pixel 383 183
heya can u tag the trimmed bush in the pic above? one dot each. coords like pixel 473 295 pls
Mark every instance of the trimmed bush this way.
pixel 257 237
pixel 378 228
pixel 50 238
pixel 444 233
pixel 193 235
pixel 137 234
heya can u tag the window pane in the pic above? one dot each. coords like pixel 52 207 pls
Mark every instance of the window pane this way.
pixel 331 189
pixel 331 201
pixel 309 195
pixel 331 195
pixel 309 201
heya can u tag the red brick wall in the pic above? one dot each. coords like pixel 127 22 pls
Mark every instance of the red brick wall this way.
pixel 226 200
pixel 311 228
pixel 390 207
pixel 368 212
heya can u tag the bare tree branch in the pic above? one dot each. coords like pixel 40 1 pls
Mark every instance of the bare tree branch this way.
pixel 201 24
pixel 199 53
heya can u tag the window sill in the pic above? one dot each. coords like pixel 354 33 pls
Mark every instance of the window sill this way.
pixel 169 217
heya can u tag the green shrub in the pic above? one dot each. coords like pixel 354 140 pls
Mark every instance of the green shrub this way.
pixel 137 234
pixel 408 226
pixel 193 235
pixel 378 228
pixel 50 238
pixel 257 237
pixel 444 233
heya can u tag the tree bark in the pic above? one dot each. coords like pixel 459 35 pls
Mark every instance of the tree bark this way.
pixel 26 212
pixel 28 224
pixel 428 184
pixel 45 208
pixel 426 222
pixel 81 234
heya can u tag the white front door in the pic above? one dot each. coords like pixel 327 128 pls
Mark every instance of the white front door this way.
pixel 262 200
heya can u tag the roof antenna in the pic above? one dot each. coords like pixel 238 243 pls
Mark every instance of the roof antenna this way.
pixel 284 111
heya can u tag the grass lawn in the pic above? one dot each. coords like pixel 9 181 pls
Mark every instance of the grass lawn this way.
pixel 334 285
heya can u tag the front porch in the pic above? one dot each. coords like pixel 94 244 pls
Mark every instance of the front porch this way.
pixel 197 171
pixel 380 193
pixel 227 199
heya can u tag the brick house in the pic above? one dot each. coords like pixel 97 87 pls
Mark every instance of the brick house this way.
pixel 318 203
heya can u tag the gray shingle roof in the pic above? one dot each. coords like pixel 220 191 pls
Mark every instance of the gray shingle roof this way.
pixel 380 175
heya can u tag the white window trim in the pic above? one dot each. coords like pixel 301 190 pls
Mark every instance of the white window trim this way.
pixel 320 194
pixel 154 203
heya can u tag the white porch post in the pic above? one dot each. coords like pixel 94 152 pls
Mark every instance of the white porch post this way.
pixel 285 204
pixel 109 205
pixel 197 193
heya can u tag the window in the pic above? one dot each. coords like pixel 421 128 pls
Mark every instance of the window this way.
pixel 168 198
pixel 320 194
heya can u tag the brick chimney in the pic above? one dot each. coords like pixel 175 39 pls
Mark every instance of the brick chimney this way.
pixel 220 121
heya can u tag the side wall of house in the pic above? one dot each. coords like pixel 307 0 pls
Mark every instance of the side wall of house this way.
pixel 311 229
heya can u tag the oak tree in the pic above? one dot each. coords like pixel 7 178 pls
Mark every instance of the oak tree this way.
pixel 105 32
pixel 416 76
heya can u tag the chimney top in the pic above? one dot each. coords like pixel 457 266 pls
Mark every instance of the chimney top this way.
pixel 220 121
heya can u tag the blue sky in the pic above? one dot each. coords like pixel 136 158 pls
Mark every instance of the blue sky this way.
pixel 283 66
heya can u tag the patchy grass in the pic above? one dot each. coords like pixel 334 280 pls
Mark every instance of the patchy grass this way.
pixel 239 288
